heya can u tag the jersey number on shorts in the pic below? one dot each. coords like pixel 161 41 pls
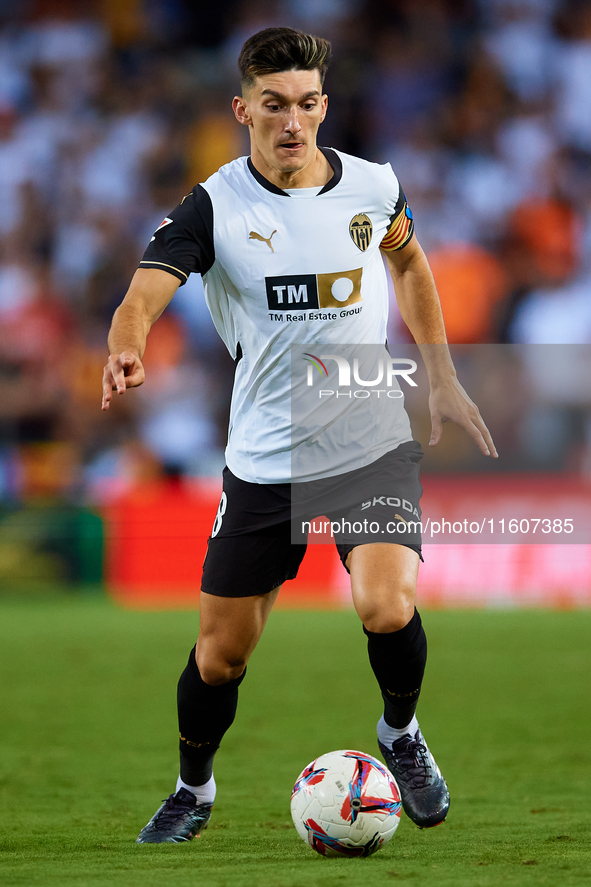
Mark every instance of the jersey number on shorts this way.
pixel 217 524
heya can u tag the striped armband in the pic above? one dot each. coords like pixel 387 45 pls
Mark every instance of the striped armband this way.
pixel 401 228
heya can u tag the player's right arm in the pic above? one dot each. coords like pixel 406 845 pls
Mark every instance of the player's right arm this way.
pixel 149 293
pixel 182 245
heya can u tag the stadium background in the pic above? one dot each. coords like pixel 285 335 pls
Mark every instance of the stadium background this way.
pixel 108 112
pixel 111 110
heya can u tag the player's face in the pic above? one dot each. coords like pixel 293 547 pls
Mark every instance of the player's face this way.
pixel 283 112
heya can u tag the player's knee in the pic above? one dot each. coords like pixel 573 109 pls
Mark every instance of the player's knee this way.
pixel 391 613
pixel 218 669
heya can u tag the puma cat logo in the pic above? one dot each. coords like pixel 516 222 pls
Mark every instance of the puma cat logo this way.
pixel 254 236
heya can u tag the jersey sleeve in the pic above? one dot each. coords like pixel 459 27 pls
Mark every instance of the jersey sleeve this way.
pixel 401 226
pixel 183 242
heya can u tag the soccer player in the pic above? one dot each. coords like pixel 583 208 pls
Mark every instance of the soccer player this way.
pixel 290 242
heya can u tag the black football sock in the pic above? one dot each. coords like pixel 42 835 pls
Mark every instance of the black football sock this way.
pixel 205 713
pixel 398 660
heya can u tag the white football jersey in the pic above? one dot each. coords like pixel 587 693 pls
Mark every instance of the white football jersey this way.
pixel 291 273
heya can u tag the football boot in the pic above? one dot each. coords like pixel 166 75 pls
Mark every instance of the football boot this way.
pixel 179 819
pixel 423 790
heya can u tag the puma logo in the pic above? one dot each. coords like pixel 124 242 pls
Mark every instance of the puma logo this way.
pixel 254 236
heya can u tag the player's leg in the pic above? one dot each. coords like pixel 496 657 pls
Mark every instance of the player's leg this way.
pixel 383 585
pixel 207 696
pixel 249 556
pixel 229 630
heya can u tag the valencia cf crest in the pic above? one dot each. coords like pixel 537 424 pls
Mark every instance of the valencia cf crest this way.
pixel 361 229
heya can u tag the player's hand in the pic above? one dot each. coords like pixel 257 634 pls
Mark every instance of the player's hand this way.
pixel 449 401
pixel 123 371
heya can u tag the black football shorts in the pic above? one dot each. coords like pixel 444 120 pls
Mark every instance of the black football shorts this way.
pixel 261 531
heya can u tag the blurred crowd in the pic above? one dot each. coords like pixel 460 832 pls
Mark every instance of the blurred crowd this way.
pixel 110 111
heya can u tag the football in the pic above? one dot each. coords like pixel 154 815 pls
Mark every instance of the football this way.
pixel 345 803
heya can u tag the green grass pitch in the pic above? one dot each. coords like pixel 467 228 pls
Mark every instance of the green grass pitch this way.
pixel 88 749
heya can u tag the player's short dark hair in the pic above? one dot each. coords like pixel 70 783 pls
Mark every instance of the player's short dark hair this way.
pixel 282 49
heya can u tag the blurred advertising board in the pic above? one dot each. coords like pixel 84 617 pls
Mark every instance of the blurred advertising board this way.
pixel 156 538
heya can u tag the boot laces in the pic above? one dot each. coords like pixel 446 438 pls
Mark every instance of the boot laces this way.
pixel 412 756
pixel 174 808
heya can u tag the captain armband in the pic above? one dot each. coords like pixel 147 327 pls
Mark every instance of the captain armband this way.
pixel 401 227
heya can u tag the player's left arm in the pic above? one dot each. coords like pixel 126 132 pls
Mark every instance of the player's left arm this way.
pixel 420 308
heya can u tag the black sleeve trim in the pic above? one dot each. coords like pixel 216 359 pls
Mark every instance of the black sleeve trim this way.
pixel 205 207
pixel 183 244
pixel 400 204
pixel 163 266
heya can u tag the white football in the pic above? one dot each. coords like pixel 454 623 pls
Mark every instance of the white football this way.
pixel 345 803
